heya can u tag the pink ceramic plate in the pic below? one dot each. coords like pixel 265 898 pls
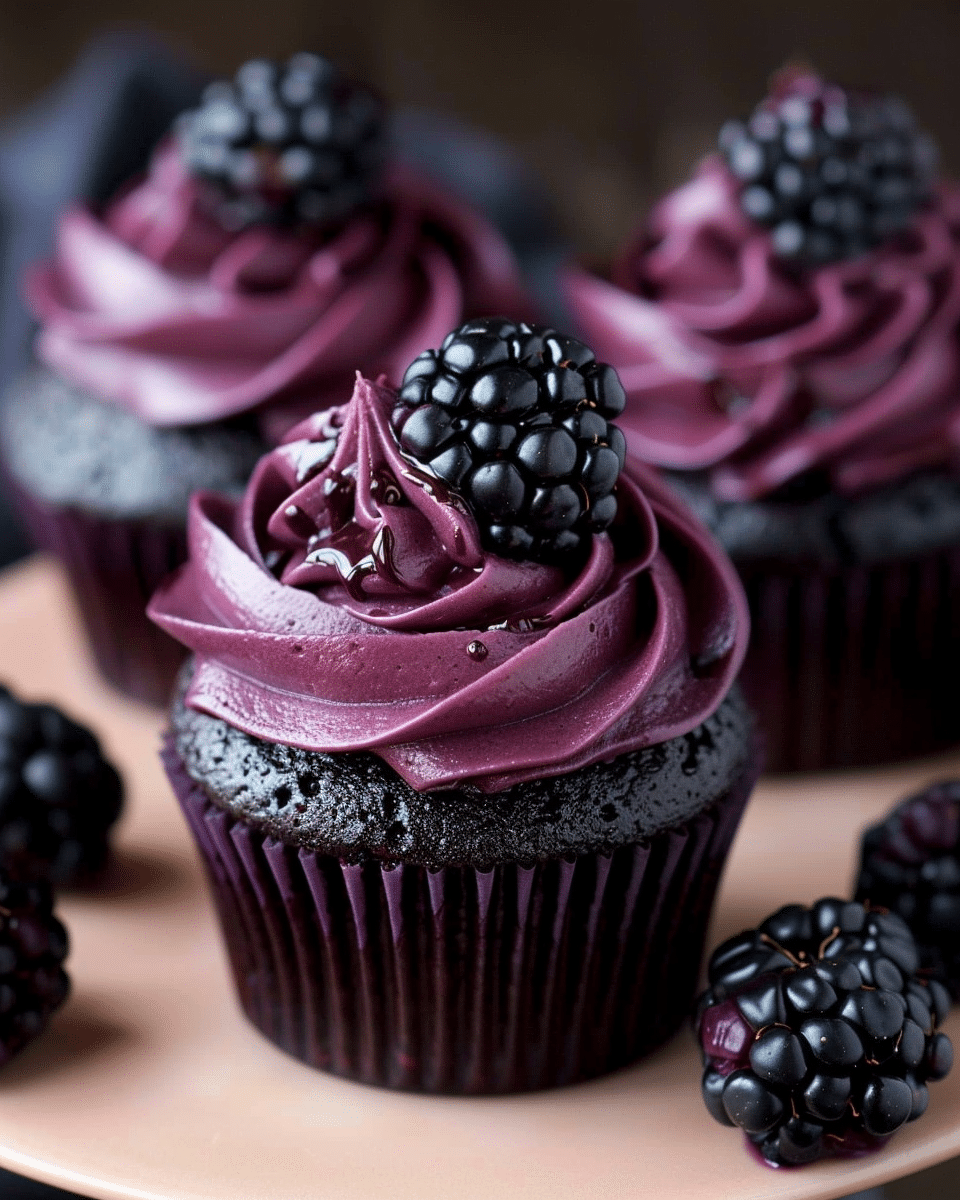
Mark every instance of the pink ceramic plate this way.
pixel 151 1084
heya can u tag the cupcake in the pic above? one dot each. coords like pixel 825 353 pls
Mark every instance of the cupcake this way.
pixel 270 251
pixel 786 330
pixel 463 763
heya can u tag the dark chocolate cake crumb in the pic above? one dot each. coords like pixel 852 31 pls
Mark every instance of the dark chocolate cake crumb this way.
pixel 67 447
pixel 354 806
pixel 917 516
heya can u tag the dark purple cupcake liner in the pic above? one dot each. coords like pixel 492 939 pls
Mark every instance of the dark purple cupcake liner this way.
pixel 855 665
pixel 114 566
pixel 461 980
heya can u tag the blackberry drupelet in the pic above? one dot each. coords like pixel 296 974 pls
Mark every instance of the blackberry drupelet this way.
pixel 58 796
pixel 33 945
pixel 516 418
pixel 910 863
pixel 818 1037
pixel 287 143
pixel 831 173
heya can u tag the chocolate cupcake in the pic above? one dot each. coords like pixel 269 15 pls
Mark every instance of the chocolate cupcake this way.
pixel 463 786
pixel 786 330
pixel 270 251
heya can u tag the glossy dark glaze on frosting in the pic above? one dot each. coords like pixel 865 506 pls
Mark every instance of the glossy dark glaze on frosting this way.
pixel 761 373
pixel 366 636
pixel 155 306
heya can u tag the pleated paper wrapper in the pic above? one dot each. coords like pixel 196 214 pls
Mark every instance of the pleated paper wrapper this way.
pixel 854 665
pixel 462 980
pixel 114 566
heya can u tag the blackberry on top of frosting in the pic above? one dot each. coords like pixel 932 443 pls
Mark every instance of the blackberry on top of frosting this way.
pixel 517 418
pixel 399 495
pixel 832 173
pixel 787 317
pixel 272 248
pixel 286 143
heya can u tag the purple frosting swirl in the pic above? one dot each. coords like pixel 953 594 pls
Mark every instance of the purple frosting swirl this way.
pixel 347 604
pixel 734 363
pixel 155 306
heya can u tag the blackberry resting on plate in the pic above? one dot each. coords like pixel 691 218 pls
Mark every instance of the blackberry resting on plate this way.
pixel 516 418
pixel 33 945
pixel 287 143
pixel 832 173
pixel 910 863
pixel 58 796
pixel 818 1037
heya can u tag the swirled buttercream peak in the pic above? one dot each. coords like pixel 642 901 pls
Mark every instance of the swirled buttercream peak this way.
pixel 153 305
pixel 759 373
pixel 347 604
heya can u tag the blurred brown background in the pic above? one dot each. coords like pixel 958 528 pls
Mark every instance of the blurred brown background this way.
pixel 610 101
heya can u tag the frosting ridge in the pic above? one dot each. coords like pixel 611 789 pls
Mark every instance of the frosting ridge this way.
pixel 155 306
pixel 346 604
pixel 737 364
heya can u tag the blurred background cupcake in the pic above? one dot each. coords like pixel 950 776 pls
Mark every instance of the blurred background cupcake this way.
pixel 786 328
pixel 271 249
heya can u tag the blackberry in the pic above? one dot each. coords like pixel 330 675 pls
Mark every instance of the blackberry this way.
pixel 58 797
pixel 818 1037
pixel 288 143
pixel 831 173
pixel 516 418
pixel 33 945
pixel 910 863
